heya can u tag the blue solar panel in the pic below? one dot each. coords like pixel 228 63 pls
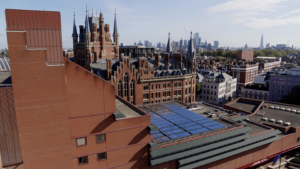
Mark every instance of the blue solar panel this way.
pixel 199 130
pixel 183 122
pixel 193 127
pixel 153 132
pixel 204 121
pixel 187 124
pixel 157 135
pixel 184 134
pixel 210 124
pixel 171 132
pixel 169 128
pixel 216 126
pixel 166 125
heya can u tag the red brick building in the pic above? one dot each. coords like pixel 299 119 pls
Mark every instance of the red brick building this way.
pixel 59 115
pixel 94 41
pixel 245 55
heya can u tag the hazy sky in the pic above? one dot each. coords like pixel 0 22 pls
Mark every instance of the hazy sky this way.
pixel 232 23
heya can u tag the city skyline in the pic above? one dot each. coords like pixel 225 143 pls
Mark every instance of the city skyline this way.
pixel 232 23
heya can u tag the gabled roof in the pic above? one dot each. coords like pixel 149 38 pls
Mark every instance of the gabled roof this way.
pixel 223 76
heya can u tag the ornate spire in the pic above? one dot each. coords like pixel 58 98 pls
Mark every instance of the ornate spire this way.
pixel 115 26
pixel 191 51
pixel 74 25
pixel 169 47
pixel 87 27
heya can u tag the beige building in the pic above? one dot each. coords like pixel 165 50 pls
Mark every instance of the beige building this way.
pixel 259 92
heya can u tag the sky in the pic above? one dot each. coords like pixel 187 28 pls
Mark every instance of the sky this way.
pixel 233 23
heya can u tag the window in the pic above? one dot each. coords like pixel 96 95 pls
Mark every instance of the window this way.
pixel 145 72
pixel 175 92
pixel 126 84
pixel 83 160
pixel 132 87
pixel 151 95
pixel 100 138
pixel 146 88
pixel 169 85
pixel 164 94
pixel 81 141
pixel 101 156
pixel 179 92
pixel 164 86
pixel 179 84
pixel 146 96
pixel 168 93
pixel 175 84
pixel 120 88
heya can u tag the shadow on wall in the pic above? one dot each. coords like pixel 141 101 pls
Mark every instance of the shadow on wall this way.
pixel 104 124
pixel 139 136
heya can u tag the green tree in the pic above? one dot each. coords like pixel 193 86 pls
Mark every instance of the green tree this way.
pixel 292 97
pixel 198 88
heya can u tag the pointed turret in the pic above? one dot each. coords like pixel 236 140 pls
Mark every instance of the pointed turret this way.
pixel 115 26
pixel 169 47
pixel 191 50
pixel 116 38
pixel 74 34
pixel 87 26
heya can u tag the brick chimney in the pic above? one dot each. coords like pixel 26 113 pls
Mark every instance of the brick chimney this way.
pixel 109 68
pixel 166 56
pixel 140 65
pixel 156 58
pixel 178 58
pixel 106 27
pixel 95 57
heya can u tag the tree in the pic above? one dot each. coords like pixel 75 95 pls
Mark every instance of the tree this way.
pixel 198 88
pixel 292 97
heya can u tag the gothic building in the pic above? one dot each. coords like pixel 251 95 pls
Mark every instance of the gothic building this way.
pixel 152 78
pixel 94 41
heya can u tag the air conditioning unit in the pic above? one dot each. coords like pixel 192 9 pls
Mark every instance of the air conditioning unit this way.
pixel 271 107
pixel 287 123
pixel 277 108
pixel 294 111
pixel 279 121
pixel 288 109
pixel 282 108
pixel 264 119
pixel 271 120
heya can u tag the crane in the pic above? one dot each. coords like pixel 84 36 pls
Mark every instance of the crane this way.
pixel 186 33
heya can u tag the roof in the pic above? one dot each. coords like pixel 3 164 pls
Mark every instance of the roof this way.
pixel 123 110
pixel 5 79
pixel 115 26
pixel 245 105
pixel 257 87
pixel 74 27
pixel 284 115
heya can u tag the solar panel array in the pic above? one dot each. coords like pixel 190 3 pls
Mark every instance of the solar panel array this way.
pixel 174 122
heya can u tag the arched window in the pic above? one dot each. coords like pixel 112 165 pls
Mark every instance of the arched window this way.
pixel 120 88
pixel 125 84
pixel 132 87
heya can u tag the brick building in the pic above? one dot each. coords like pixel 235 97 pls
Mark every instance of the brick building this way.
pixel 150 79
pixel 245 55
pixel 59 115
pixel 94 41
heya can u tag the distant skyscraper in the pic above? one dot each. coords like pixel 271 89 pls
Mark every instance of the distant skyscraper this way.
pixel 216 44
pixel 150 45
pixel 261 42
pixel 209 46
pixel 169 47
pixel 199 42
pixel 134 44
pixel 196 37
pixel 146 43
pixel 185 42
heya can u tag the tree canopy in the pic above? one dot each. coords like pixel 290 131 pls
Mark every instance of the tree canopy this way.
pixel 292 97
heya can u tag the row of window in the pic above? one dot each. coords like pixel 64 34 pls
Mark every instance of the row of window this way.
pixel 283 83
pixel 255 92
pixel 85 159
pixel 165 94
pixel 158 86
pixel 82 141
pixel 126 86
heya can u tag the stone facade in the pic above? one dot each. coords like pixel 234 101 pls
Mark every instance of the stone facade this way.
pixel 259 92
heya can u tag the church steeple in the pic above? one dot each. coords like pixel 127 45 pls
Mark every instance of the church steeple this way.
pixel 116 38
pixel 87 26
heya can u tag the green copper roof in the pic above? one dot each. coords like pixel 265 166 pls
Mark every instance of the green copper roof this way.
pixel 119 115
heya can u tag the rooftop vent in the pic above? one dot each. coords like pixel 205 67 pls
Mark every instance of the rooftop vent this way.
pixel 279 121
pixel 271 107
pixel 294 111
pixel 271 120
pixel 277 108
pixel 298 112
pixel 287 123
pixel 282 108
pixel 288 109
pixel 264 119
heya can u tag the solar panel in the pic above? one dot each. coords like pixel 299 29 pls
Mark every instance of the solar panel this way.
pixel 210 124
pixel 169 128
pixel 157 135
pixel 199 130
pixel 193 127
pixel 182 122
pixel 153 132
pixel 171 132
pixel 187 124
pixel 166 125
pixel 204 121
pixel 216 126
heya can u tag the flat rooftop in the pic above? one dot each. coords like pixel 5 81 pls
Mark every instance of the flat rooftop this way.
pixel 256 128
pixel 245 105
pixel 126 110
pixel 176 122
pixel 284 115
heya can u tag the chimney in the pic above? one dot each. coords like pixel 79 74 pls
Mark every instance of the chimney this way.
pixel 140 65
pixel 106 28
pixel 109 68
pixel 151 55
pixel 122 56
pixel 178 58
pixel 156 59
pixel 166 56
